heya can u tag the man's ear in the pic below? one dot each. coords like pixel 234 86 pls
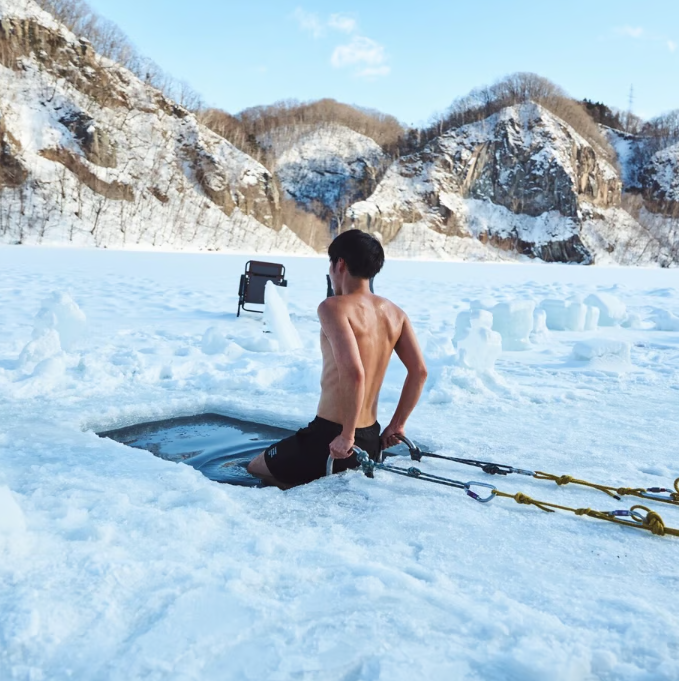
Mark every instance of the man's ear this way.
pixel 341 266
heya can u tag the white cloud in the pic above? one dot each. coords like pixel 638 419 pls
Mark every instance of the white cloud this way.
pixel 362 52
pixel 367 57
pixel 630 31
pixel 374 71
pixel 342 22
pixel 671 45
pixel 309 21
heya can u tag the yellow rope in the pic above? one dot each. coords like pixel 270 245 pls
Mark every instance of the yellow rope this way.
pixel 608 489
pixel 652 522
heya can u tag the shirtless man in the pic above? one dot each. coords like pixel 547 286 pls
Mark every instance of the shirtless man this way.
pixel 359 330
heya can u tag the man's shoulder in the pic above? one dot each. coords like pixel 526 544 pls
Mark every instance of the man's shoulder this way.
pixel 393 308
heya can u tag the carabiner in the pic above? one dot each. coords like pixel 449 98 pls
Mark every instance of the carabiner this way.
pixel 475 496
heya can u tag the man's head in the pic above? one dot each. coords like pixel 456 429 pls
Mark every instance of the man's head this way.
pixel 362 253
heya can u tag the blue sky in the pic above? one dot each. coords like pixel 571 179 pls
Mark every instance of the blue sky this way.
pixel 409 59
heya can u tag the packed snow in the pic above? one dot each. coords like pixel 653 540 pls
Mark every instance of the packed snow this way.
pixel 115 564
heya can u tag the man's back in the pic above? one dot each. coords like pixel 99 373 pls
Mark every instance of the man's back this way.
pixel 376 324
pixel 359 331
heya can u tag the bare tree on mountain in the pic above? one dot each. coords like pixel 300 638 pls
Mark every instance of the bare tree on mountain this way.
pixel 518 88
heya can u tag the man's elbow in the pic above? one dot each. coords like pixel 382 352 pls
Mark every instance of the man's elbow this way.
pixel 420 373
pixel 355 376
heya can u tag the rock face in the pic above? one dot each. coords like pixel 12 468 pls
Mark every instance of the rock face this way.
pixel 660 182
pixel 91 155
pixel 12 172
pixel 520 181
pixel 325 167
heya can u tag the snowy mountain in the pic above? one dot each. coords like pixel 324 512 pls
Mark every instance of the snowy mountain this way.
pixel 660 181
pixel 521 182
pixel 326 167
pixel 90 155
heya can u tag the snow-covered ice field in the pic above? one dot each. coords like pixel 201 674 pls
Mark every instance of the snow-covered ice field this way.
pixel 115 564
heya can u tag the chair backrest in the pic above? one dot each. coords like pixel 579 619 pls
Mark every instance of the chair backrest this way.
pixel 257 274
pixel 266 269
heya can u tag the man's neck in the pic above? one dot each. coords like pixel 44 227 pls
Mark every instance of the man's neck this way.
pixel 353 285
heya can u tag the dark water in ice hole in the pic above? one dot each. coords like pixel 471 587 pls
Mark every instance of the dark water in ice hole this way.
pixel 220 447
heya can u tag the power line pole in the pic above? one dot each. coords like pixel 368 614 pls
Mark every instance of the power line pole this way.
pixel 630 107
pixel 631 98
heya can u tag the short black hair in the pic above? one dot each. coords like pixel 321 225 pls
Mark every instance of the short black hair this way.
pixel 361 251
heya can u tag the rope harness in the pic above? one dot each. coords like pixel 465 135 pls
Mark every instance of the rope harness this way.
pixel 638 516
pixel 661 494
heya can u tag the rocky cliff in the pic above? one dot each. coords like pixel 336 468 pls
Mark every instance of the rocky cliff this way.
pixel 91 155
pixel 519 182
pixel 326 167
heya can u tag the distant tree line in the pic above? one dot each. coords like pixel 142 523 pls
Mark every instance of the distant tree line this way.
pixel 517 88
pixel 244 128
pixel 111 42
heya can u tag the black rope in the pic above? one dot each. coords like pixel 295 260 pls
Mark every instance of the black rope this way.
pixel 489 467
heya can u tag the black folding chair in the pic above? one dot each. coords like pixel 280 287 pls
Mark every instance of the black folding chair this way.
pixel 253 282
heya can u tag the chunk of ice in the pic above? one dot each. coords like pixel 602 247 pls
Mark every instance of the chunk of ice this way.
pixel 595 349
pixel 592 318
pixel 613 311
pixel 570 316
pixel 277 319
pixel 540 332
pixel 514 322
pixel 481 346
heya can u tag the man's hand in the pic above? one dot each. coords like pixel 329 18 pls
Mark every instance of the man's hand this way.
pixel 340 447
pixel 389 436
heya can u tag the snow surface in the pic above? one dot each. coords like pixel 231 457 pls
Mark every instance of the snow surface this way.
pixel 115 564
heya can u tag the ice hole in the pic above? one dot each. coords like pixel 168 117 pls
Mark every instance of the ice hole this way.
pixel 218 446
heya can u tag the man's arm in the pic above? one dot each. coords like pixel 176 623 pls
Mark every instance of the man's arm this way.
pixel 340 335
pixel 408 350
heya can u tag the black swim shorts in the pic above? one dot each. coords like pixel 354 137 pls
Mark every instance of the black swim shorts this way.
pixel 303 457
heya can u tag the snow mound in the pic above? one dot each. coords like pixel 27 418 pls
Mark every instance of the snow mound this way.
pixel 665 321
pixel 481 346
pixel 213 342
pixel 613 311
pixel 277 319
pixel 62 314
pixel 11 516
pixel 40 349
pixel 602 351
pixel 514 322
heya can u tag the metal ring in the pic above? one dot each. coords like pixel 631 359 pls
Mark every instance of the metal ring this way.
pixel 330 464
pixel 407 442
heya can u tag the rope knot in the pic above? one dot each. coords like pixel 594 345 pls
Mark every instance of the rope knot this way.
pixel 655 523
pixel 522 498
pixel 583 511
pixel 563 480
